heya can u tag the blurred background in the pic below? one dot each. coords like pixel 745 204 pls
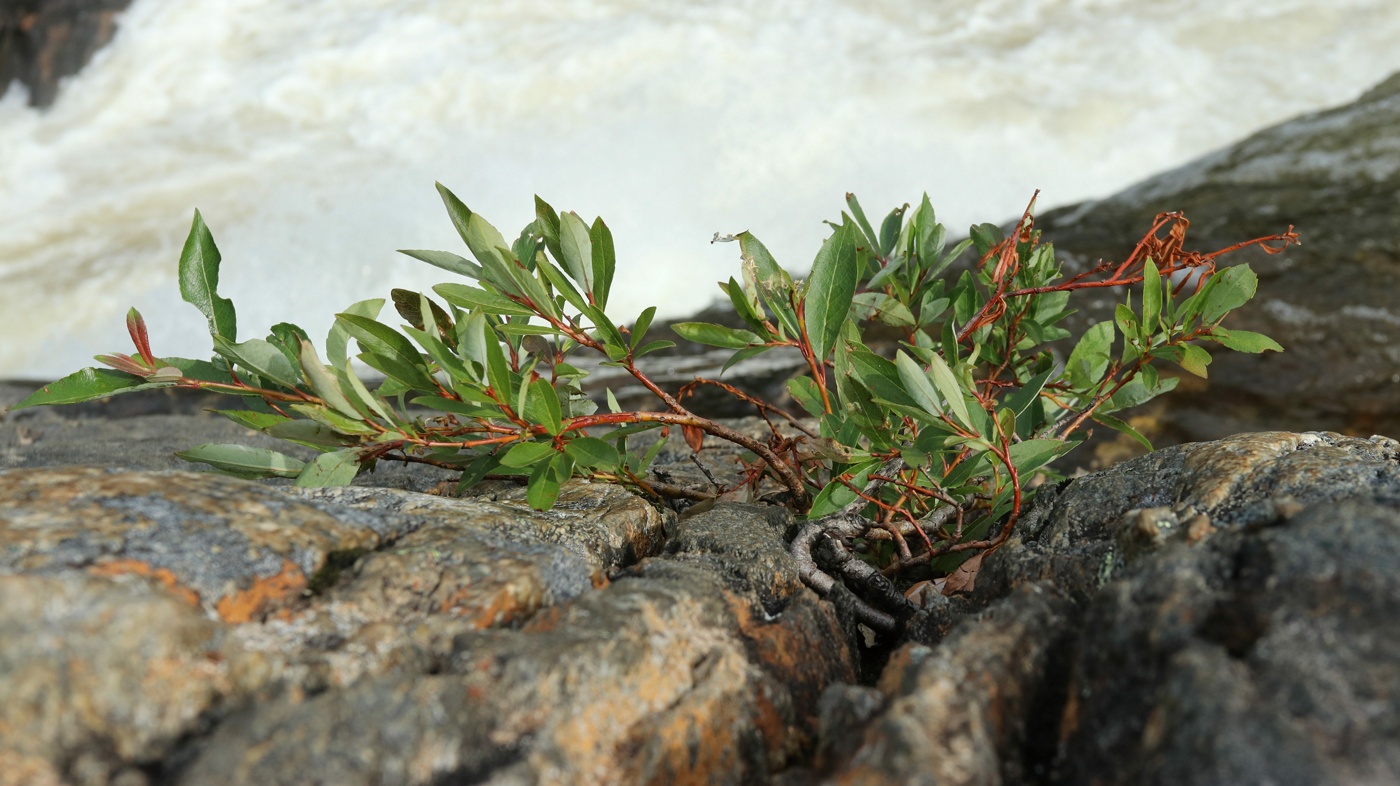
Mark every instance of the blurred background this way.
pixel 309 134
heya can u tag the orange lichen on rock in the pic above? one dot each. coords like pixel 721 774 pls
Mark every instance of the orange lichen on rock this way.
pixel 263 596
pixel 120 567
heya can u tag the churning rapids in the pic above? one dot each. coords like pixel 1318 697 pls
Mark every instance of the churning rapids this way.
pixel 310 134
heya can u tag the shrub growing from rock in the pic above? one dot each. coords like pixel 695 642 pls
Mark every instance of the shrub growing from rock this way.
pixel 914 463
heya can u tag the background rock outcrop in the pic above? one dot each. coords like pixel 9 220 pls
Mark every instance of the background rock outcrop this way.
pixel 1333 302
pixel 43 41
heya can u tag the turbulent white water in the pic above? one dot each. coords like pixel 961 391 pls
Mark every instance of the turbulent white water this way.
pixel 309 134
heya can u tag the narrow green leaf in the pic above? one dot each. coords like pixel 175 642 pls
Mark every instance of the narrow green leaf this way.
pixel 643 323
pixel 870 236
pixel 199 280
pixel 830 288
pixel 258 421
pixel 1244 340
pixel 889 230
pixel 1122 427
pixel 244 461
pixel 837 495
pixel 323 383
pixel 604 261
pixel 547 225
pixel 497 370
pixel 379 338
pixel 715 335
pixel 311 434
pixel 86 385
pixel 482 238
pixel 344 425
pixel 577 247
pixel 330 469
pixel 652 346
pixel 445 260
pixel 947 385
pixel 1151 297
pixel 472 298
pixel 916 384
pixel 545 482
pixel 748 310
pixel 365 402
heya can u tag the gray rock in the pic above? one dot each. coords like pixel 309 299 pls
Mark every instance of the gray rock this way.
pixel 672 673
pixel 1331 302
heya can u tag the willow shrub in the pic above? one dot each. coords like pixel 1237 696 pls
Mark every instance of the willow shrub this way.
pixel 930 448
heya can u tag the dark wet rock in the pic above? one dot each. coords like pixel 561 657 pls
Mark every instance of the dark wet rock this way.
pixel 1331 302
pixel 961 713
pixel 43 41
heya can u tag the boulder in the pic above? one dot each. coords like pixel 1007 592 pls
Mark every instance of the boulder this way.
pixel 1211 613
pixel 1331 302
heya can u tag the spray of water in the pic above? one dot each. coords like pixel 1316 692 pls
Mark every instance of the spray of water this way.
pixel 309 134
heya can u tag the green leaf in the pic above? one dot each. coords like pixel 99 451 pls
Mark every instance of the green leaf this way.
pixel 338 340
pixel 652 346
pixel 379 338
pixel 258 421
pixel 593 453
pixel 643 323
pixel 446 359
pixel 497 370
pixel 561 284
pixel 86 385
pixel 446 260
pixel 1032 454
pixel 310 433
pixel 199 280
pixel 1121 426
pixel 1194 359
pixel 836 495
pixel 547 225
pixel 323 383
pixel 244 461
pixel 952 392
pixel 747 309
pixel 577 246
pixel 916 384
pixel 480 467
pixel 604 261
pixel 1233 288
pixel 482 238
pixel 364 401
pixel 1151 297
pixel 1138 390
pixel 870 236
pixel 742 355
pixel 715 335
pixel 261 358
pixel 543 406
pixel 344 425
pixel 546 480
pixel 472 298
pixel 1089 360
pixel 410 376
pixel 805 392
pixel 889 230
pixel 1018 402
pixel 524 454
pixel 1243 340
pixel 331 469
pixel 986 237
pixel 830 288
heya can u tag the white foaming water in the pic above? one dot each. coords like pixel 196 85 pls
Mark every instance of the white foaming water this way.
pixel 310 134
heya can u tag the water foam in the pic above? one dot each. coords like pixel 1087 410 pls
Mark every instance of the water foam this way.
pixel 309 135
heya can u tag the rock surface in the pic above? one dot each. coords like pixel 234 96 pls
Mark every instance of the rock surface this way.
pixel 1211 613
pixel 43 41
pixel 1333 302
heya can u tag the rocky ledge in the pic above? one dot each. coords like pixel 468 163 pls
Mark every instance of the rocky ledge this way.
pixel 1210 613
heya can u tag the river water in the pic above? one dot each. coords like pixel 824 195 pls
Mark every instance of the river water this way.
pixel 309 135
